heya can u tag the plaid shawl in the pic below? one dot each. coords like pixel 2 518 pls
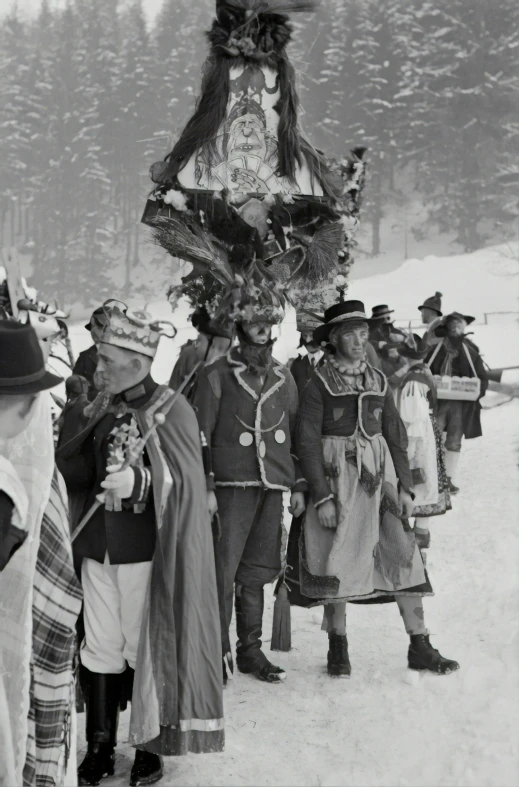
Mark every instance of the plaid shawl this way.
pixel 55 608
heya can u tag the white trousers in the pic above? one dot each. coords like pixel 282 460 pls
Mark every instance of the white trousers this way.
pixel 113 598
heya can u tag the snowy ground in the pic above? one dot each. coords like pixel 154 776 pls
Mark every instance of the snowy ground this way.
pixel 387 725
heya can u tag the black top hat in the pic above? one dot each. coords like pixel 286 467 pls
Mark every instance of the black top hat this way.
pixel 22 367
pixel 434 303
pixel 456 315
pixel 339 313
pixel 380 311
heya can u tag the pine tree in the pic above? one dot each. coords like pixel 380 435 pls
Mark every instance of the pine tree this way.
pixel 470 84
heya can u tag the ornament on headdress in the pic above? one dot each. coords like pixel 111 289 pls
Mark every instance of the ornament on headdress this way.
pixel 251 299
pixel 242 186
pixel 137 331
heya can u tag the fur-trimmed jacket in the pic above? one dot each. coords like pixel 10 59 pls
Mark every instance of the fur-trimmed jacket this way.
pixel 249 423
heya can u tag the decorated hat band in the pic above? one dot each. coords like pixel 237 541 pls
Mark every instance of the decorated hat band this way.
pixel 136 331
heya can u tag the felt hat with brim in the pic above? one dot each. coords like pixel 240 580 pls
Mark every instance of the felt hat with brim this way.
pixel 415 348
pixel 434 303
pixel 378 312
pixel 457 316
pixel 339 314
pixel 22 366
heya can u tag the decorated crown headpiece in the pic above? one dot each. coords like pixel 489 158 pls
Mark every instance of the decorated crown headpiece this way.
pixel 137 331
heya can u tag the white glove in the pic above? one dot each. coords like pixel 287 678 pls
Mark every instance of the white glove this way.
pixel 120 482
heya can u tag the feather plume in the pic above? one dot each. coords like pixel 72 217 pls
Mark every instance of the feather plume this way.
pixel 191 243
pixel 321 255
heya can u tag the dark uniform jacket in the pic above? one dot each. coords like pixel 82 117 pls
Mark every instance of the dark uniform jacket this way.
pixel 248 423
pixel 128 535
pixel 86 366
pixel 301 369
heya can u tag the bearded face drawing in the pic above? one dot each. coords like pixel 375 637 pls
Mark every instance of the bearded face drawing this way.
pixel 244 157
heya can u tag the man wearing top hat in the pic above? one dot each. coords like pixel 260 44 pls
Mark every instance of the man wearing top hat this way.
pixel 456 355
pixel 386 338
pixel 246 403
pixel 145 556
pixel 40 592
pixel 304 365
pixel 86 363
pixel 352 446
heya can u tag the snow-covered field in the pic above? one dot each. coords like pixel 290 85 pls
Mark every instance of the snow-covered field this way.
pixel 387 725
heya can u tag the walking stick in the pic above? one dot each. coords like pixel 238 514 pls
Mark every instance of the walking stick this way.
pixel 158 419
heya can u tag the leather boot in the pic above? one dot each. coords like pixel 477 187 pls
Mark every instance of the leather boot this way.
pixel 422 656
pixel 250 659
pixel 102 695
pixel 338 659
pixel 147 768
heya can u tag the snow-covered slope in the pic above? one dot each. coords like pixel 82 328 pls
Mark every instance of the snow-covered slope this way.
pixel 386 725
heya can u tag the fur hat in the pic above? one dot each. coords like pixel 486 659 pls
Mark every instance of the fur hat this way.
pixel 136 331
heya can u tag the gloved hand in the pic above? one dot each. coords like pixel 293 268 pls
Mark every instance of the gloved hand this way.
pixel 120 482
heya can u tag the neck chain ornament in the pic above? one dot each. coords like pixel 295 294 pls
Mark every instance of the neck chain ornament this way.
pixel 350 370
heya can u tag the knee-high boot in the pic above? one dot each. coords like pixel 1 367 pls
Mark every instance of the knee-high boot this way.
pixel 102 694
pixel 249 618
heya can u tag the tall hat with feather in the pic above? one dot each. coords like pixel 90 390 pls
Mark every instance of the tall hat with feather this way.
pixel 242 185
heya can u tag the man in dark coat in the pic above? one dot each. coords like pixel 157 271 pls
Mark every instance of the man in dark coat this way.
pixel 86 363
pixel 246 403
pixel 146 559
pixel 386 338
pixel 455 355
pixel 214 339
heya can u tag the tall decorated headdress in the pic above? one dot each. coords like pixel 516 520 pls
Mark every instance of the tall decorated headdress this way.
pixel 114 323
pixel 242 186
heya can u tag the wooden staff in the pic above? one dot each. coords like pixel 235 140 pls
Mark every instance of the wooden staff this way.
pixel 158 419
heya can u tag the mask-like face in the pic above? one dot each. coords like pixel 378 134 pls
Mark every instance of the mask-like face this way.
pixel 258 332
pixel 117 370
pixel 350 340
pixel 16 415
pixel 307 340
pixel 388 318
pixel 456 327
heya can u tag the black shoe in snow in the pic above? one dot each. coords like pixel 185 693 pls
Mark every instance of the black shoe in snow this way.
pixel 262 669
pixel 338 660
pixel 423 540
pixel 147 768
pixel 422 656
pixel 98 764
pixel 453 489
